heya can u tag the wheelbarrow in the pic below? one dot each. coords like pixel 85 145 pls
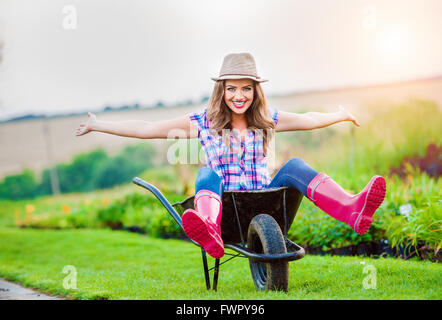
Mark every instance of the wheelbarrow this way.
pixel 254 224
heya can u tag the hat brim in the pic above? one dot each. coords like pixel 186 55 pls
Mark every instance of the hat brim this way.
pixel 238 77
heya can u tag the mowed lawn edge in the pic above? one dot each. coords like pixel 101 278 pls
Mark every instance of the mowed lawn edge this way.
pixel 106 264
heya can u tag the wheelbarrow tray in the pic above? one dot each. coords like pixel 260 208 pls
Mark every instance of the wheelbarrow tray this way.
pixel 239 208
pixel 280 203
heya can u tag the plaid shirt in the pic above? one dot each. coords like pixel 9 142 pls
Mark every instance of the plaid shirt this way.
pixel 242 168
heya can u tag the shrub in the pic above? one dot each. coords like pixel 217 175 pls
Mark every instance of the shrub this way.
pixel 19 186
pixel 423 224
pixel 122 168
pixel 316 228
pixel 87 171
pixel 141 210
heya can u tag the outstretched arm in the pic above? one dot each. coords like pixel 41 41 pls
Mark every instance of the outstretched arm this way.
pixel 289 121
pixel 178 127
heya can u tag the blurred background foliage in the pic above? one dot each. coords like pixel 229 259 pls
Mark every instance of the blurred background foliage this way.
pixel 88 171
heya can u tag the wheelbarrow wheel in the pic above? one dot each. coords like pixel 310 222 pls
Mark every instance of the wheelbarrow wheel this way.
pixel 265 236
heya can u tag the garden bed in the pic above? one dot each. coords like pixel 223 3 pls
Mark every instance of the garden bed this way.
pixel 374 249
pixel 381 249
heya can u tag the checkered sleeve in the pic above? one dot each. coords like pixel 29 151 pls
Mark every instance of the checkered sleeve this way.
pixel 274 113
pixel 199 120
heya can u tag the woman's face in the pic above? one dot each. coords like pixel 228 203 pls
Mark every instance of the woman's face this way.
pixel 238 94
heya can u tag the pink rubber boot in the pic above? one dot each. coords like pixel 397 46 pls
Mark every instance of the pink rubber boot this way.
pixel 203 224
pixel 355 210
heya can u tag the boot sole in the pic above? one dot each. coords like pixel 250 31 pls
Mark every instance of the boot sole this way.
pixel 197 230
pixel 375 197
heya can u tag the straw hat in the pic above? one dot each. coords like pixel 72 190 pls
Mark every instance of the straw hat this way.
pixel 239 66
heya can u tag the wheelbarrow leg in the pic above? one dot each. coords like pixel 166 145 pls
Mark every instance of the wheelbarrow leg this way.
pixel 215 275
pixel 206 269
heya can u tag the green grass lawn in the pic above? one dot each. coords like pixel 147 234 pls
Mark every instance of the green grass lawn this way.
pixel 122 265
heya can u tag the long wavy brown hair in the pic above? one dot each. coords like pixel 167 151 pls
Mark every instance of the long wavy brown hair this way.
pixel 258 119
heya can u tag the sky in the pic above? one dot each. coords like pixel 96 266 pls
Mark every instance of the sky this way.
pixel 62 56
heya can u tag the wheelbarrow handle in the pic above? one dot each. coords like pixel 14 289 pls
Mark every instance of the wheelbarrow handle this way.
pixel 164 202
pixel 160 197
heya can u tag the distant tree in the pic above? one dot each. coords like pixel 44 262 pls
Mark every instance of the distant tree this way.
pixel 205 99
pixel 123 167
pixel 87 172
pixel 159 104
pixel 19 186
pixel 79 175
pixel 45 187
pixel 26 117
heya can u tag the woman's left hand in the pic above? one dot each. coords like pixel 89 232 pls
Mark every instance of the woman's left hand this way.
pixel 347 116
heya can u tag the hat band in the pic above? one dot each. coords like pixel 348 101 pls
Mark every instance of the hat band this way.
pixel 239 74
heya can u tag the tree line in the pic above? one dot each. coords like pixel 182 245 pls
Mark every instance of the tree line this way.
pixel 87 171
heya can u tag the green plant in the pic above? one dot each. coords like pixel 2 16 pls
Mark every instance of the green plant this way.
pixel 141 210
pixel 315 228
pixel 131 161
pixel 87 171
pixel 19 186
pixel 423 224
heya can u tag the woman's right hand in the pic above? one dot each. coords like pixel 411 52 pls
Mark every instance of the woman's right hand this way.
pixel 86 127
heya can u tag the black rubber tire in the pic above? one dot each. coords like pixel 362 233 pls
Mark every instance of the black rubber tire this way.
pixel 265 236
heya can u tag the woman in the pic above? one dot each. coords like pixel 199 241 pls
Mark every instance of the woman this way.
pixel 235 131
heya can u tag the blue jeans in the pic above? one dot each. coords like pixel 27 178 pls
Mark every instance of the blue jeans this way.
pixel 294 173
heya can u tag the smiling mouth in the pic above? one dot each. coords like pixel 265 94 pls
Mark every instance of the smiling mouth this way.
pixel 239 104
